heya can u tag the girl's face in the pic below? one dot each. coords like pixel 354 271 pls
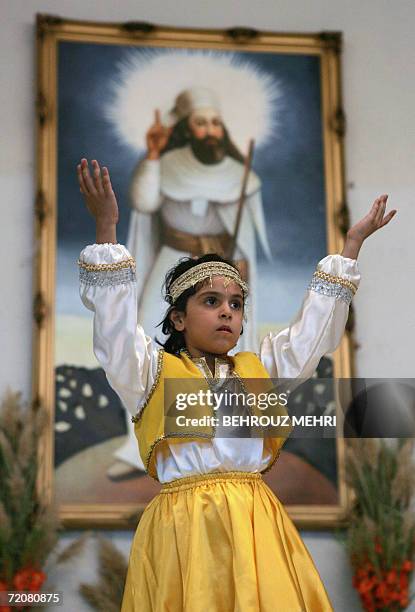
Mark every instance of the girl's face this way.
pixel 212 322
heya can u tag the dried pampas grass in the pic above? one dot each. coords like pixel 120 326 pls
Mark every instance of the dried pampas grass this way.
pixel 106 594
pixel 29 526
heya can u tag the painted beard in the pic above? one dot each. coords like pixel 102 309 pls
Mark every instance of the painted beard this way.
pixel 208 150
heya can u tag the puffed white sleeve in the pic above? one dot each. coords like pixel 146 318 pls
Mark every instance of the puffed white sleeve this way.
pixel 107 286
pixel 318 327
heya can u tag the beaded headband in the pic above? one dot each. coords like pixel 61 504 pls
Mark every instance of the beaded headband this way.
pixel 202 271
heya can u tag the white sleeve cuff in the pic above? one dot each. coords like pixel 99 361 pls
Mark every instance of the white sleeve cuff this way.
pixel 337 265
pixel 106 253
pixel 336 276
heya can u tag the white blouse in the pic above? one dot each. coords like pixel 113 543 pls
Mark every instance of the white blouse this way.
pixel 129 357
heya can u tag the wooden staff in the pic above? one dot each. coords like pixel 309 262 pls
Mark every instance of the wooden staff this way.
pixel 247 169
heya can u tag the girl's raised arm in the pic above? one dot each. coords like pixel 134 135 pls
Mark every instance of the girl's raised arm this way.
pixel 108 289
pixel 317 328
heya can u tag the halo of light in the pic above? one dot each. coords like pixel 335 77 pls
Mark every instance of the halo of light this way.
pixel 146 80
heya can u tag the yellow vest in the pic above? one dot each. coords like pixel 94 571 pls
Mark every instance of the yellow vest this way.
pixel 152 426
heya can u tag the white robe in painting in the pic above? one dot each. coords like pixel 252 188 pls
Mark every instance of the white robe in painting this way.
pixel 198 199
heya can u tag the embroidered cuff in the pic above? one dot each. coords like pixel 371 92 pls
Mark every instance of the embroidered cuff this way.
pixel 336 286
pixel 104 275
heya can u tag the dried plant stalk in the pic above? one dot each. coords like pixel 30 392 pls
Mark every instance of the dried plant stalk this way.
pixel 106 594
pixel 28 527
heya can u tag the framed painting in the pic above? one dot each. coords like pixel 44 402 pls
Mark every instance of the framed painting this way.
pixel 102 90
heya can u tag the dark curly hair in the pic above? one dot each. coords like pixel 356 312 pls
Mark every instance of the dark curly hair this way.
pixel 175 341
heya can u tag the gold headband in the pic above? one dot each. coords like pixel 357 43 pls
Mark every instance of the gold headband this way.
pixel 202 271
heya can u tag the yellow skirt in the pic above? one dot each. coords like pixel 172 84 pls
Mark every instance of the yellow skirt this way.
pixel 220 542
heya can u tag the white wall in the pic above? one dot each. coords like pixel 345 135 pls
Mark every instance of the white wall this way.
pixel 379 98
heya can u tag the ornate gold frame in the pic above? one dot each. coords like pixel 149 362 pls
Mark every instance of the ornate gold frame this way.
pixel 50 31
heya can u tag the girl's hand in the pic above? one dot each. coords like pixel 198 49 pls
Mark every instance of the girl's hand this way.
pixel 373 221
pixel 157 137
pixel 361 230
pixel 97 190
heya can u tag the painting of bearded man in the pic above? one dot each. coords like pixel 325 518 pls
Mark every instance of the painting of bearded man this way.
pixel 174 125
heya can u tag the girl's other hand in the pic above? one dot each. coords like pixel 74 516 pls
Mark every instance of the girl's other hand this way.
pixel 373 221
pixel 97 190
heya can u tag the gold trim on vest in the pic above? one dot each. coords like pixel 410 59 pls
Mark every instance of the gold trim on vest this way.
pixel 176 434
pixel 206 370
pixel 138 416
